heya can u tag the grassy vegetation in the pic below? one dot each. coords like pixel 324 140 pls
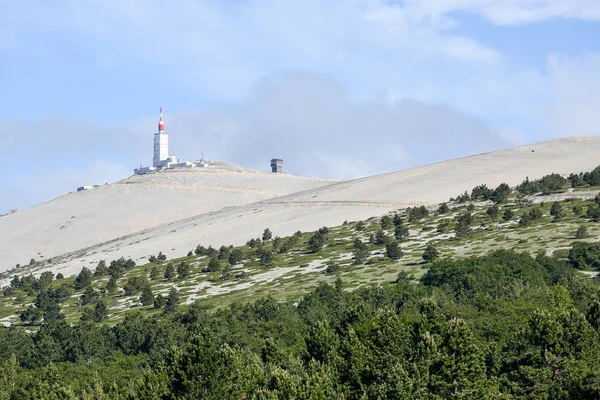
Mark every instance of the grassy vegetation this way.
pixel 487 298
pixel 289 275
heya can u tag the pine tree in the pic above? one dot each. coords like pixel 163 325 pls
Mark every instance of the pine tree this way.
pixel 200 250
pixel 88 314
pixel 213 265
pixel 155 273
pixel 500 193
pixel 493 212
pixel 15 282
pixel 46 278
pixel 223 253
pixel 100 311
pixel 83 279
pixel 461 368
pixel 147 298
pixel 360 252
pixel 316 242
pixel 159 301
pixel 380 237
pixel 463 225
pixel 170 271
pixel 111 285
pixel 183 270
pixel 443 208
pixel 89 295
pixel 267 235
pixel 397 220
pixel 385 222
pixel 392 250
pixel 593 314
pixel 235 256
pixel 593 213
pixel 172 301
pixel 266 257
pixel 101 269
pixel 430 253
pixel 581 232
pixel 401 232
pixel 525 220
pixel 556 211
pixel 536 213
pixel 31 315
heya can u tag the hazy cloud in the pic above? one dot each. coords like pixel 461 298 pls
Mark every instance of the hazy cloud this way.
pixel 505 12
pixel 308 120
pixel 575 101
pixel 394 64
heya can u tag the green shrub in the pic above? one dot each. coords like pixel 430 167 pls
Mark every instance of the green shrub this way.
pixel 585 255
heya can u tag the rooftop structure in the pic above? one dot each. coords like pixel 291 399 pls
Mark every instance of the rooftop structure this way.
pixel 277 165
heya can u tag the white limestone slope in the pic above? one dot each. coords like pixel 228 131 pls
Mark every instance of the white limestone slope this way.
pixel 323 205
pixel 435 183
pixel 82 219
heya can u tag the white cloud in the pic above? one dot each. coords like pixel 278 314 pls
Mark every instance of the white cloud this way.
pixel 574 107
pixel 512 136
pixel 308 120
pixel 507 12
pixel 375 49
pixel 466 49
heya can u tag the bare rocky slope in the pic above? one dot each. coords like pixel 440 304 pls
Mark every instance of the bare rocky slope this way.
pixel 302 205
pixel 81 219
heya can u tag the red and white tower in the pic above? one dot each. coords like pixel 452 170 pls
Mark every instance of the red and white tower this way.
pixel 161 124
pixel 161 145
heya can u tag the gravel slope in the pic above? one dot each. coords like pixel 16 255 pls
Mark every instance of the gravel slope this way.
pixel 81 219
pixel 197 215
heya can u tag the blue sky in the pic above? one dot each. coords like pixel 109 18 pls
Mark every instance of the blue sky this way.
pixel 338 89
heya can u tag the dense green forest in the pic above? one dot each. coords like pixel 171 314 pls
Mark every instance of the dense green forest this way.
pixel 504 325
pixel 481 298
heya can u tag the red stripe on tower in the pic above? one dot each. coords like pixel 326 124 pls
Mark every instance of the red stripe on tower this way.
pixel 161 124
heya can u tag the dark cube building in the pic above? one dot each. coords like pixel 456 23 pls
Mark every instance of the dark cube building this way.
pixel 277 165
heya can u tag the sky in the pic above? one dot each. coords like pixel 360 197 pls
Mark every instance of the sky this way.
pixel 338 89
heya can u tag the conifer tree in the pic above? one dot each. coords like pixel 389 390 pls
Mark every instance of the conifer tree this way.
pixel 183 270
pixel 159 301
pixel 556 211
pixel 100 311
pixel 430 253
pixel 360 252
pixel 316 242
pixel 89 295
pixel 155 273
pixel 392 250
pixel 101 269
pixel 83 279
pixel 401 232
pixel 213 265
pixel 581 232
pixel 170 271
pixel 267 234
pixel 111 285
pixel 147 298
pixel 172 301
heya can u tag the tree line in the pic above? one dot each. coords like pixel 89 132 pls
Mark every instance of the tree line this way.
pixel 497 326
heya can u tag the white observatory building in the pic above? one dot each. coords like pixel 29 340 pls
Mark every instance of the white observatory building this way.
pixel 161 145
pixel 162 159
